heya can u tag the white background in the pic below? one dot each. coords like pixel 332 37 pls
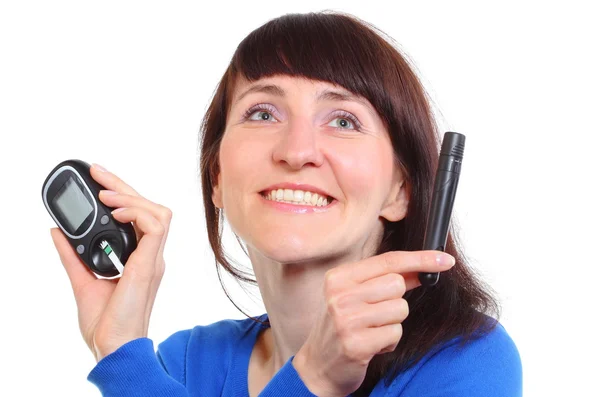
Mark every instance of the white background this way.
pixel 126 84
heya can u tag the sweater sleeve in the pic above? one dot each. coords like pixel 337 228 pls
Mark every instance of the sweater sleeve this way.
pixel 134 369
pixel 489 366
pixel 286 382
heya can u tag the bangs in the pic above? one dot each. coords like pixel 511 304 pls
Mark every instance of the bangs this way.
pixel 331 48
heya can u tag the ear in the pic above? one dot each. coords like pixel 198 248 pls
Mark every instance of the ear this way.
pixel 396 205
pixel 217 196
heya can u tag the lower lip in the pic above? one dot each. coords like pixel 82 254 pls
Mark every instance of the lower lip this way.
pixel 297 208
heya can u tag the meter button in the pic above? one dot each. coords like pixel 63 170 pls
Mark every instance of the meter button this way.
pixel 104 219
pixel 80 249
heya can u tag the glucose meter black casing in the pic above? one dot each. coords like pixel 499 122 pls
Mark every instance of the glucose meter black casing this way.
pixel 70 195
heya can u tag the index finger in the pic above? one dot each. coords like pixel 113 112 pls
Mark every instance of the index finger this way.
pixel 430 261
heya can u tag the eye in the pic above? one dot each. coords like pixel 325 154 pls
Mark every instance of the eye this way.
pixel 345 119
pixel 263 111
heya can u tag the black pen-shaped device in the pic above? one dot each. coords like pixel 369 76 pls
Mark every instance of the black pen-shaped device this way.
pixel 442 200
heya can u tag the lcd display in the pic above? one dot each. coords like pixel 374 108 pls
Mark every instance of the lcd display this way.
pixel 73 204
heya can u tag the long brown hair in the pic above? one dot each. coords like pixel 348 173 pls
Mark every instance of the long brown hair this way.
pixel 344 50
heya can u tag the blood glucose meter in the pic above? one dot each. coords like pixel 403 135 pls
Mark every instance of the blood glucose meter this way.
pixel 70 195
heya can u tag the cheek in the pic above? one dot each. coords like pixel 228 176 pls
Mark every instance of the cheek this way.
pixel 364 171
pixel 239 162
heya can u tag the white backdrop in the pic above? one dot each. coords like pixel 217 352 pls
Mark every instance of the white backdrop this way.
pixel 126 84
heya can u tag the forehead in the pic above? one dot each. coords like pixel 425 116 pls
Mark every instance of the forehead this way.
pixel 284 81
pixel 282 86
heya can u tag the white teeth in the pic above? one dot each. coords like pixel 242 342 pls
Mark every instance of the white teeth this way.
pixel 297 197
pixel 307 197
pixel 288 195
pixel 314 198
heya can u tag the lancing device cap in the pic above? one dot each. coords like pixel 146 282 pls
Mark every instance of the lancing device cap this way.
pixel 453 145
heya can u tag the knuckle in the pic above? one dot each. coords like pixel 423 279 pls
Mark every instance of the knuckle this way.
pixel 338 319
pixel 391 347
pixel 333 307
pixel 157 228
pixel 330 282
pixel 338 306
pixel 341 327
pixel 165 214
pixel 404 308
pixel 399 283
pixel 153 225
pixel 398 329
pixel 121 186
pixel 349 345
pixel 343 301
pixel 352 321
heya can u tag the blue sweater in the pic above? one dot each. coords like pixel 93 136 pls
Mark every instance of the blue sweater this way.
pixel 212 360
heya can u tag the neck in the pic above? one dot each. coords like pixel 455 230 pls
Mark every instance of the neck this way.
pixel 292 294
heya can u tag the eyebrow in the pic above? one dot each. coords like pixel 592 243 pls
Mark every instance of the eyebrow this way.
pixel 326 95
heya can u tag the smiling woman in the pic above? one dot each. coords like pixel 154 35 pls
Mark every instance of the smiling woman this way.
pixel 305 70
pixel 320 149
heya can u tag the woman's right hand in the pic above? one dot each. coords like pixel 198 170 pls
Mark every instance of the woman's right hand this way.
pixel 113 312
pixel 361 316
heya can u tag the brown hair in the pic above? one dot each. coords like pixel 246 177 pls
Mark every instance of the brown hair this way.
pixel 341 49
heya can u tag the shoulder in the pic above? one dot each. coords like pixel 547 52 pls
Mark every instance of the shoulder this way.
pixel 495 344
pixel 488 364
pixel 218 339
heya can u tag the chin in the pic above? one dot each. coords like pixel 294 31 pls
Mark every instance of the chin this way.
pixel 287 248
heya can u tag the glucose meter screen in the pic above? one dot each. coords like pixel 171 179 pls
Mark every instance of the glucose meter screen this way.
pixel 73 204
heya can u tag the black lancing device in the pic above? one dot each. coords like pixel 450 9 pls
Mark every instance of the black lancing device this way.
pixel 442 201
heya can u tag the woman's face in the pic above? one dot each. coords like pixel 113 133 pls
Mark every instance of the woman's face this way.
pixel 307 132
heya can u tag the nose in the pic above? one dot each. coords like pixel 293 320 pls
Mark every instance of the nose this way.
pixel 298 145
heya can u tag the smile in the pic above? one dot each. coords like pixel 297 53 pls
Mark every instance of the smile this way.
pixel 297 201
pixel 298 197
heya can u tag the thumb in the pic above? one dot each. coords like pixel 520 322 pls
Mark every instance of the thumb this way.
pixel 78 272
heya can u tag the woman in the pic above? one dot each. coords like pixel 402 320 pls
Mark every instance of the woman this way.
pixel 320 148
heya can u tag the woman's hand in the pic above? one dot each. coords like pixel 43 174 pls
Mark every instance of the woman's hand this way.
pixel 116 311
pixel 361 316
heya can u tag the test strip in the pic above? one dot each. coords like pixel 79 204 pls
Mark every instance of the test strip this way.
pixel 111 255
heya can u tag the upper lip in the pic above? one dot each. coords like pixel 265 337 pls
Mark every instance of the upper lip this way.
pixel 298 186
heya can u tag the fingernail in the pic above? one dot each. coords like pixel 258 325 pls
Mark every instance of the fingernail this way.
pixel 109 192
pixel 99 167
pixel 117 210
pixel 445 260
